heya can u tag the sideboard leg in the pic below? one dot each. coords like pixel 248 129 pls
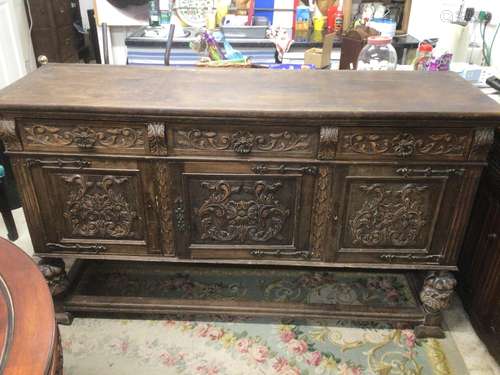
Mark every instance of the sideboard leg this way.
pixel 54 271
pixel 435 296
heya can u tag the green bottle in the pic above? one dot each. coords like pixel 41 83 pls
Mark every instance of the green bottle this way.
pixel 154 13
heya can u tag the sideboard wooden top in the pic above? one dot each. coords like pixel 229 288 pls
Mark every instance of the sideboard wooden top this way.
pixel 247 93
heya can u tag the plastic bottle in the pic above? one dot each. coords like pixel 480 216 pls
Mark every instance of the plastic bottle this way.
pixel 330 18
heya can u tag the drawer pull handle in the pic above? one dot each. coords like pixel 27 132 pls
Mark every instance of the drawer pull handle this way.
pixel 262 169
pixel 58 163
pixel 180 219
pixel 406 172
pixel 410 257
pixel 281 253
pixel 95 249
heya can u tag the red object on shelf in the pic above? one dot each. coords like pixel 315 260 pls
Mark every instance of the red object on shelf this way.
pixel 330 18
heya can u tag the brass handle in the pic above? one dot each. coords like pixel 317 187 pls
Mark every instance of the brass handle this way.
pixel 410 257
pixel 407 172
pixel 93 248
pixel 281 253
pixel 80 164
pixel 262 169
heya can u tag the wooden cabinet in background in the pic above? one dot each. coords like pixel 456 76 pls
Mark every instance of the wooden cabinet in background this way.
pixel 479 276
pixel 53 33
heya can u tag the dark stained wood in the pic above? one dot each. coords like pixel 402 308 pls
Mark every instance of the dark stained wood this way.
pixel 29 341
pixel 248 92
pixel 374 170
pixel 479 261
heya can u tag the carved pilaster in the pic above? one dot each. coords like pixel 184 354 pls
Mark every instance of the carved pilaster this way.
pixel 483 139
pixel 157 138
pixel 53 270
pixel 328 139
pixel 165 208
pixel 322 208
pixel 435 296
pixel 8 135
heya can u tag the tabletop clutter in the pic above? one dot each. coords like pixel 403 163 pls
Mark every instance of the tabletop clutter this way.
pixel 219 21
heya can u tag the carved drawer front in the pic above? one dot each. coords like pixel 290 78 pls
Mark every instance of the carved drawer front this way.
pixel 242 141
pixel 246 211
pixel 395 215
pixel 414 143
pixel 95 206
pixel 93 136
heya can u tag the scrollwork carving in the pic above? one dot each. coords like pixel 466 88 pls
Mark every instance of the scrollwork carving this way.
pixel 405 144
pixel 8 135
pixel 389 216
pixel 242 142
pixel 97 209
pixel 257 215
pixel 157 138
pixel 437 291
pixel 164 207
pixel 84 137
pixel 322 208
pixel 483 139
pixel 328 139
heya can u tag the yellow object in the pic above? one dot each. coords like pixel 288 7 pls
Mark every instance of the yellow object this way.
pixel 222 10
pixel 319 23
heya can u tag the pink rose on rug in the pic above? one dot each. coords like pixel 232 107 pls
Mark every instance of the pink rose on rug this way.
pixel 207 370
pixel 168 359
pixel 297 346
pixel 409 335
pixel 202 330
pixel 290 371
pixel 259 353
pixel 215 333
pixel 280 364
pixel 169 323
pixel 345 369
pixel 242 345
pixel 287 335
pixel 314 358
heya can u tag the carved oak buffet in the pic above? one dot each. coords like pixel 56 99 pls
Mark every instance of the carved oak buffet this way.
pixel 249 167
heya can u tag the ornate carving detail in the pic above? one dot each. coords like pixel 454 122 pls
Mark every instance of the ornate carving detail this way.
pixel 8 135
pixel 157 138
pixel 389 216
pixel 95 209
pixel 84 137
pixel 180 219
pixel 281 253
pixel 404 144
pixel 429 171
pixel 94 248
pixel 411 257
pixel 260 217
pixel 242 142
pixel 483 139
pixel 164 208
pixel 78 163
pixel 437 291
pixel 328 139
pixel 53 270
pixel 322 212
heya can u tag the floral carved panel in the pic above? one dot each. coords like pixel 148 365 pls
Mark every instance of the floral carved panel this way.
pixel 243 141
pixel 101 206
pixel 394 215
pixel 243 211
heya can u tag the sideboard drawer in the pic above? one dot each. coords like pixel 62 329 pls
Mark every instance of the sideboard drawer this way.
pixel 245 211
pixel 94 205
pixel 83 136
pixel 416 143
pixel 291 142
pixel 399 215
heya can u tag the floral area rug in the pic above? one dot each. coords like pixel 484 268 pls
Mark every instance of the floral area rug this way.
pixel 243 346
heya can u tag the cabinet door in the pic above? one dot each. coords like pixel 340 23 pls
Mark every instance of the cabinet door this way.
pixel 387 214
pixel 245 210
pixel 95 205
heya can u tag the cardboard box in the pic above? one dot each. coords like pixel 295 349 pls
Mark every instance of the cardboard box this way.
pixel 320 57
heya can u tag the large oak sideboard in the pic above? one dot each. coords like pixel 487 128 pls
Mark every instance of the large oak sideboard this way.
pixel 312 170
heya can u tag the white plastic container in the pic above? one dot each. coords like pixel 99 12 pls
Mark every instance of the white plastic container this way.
pixel 378 54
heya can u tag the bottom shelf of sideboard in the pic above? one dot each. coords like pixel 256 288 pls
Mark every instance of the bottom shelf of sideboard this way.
pixel 143 288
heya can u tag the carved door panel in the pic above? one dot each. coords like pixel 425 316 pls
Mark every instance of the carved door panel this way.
pixel 96 206
pixel 245 210
pixel 399 215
